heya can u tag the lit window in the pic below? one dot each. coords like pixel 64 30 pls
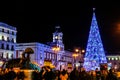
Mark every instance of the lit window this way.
pixel 50 56
pixel 116 58
pixel 14 40
pixel 20 54
pixel 44 55
pixel 47 55
pixel 3 38
pixel 108 58
pixel 112 58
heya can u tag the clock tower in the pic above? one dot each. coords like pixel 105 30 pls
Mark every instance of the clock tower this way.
pixel 58 38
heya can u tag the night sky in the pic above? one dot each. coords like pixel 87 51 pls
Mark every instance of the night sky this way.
pixel 36 21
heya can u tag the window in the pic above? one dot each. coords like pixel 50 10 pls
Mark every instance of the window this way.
pixel 44 55
pixel 2 46
pixel 3 38
pixel 112 58
pixel 8 31
pixel 12 33
pixel 8 39
pixel 116 58
pixel 7 56
pixel 12 56
pixel 7 47
pixel 12 40
pixel 2 30
pixel 1 55
pixel 108 58
pixel 59 57
pixel 12 48
pixel 56 37
pixel 50 56
pixel 47 55
pixel 40 55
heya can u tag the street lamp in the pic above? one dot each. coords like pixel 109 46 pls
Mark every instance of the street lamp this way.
pixel 56 49
pixel 75 55
pixel 78 52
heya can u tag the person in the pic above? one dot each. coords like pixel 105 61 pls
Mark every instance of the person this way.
pixel 74 75
pixel 11 75
pixel 42 73
pixel 83 75
pixel 104 74
pixel 63 75
pixel 98 74
pixel 20 75
pixel 35 75
pixel 49 74
pixel 111 75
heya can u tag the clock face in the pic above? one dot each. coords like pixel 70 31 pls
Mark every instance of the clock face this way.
pixel 56 37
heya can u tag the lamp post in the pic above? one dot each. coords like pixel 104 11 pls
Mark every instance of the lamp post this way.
pixel 78 52
pixel 55 49
pixel 75 55
pixel 82 51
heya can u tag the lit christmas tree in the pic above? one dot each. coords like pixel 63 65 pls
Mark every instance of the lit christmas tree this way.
pixel 95 54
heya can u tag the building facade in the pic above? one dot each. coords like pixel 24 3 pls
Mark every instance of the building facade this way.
pixel 7 41
pixel 48 54
pixel 114 62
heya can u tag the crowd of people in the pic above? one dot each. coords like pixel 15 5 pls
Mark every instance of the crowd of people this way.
pixel 47 73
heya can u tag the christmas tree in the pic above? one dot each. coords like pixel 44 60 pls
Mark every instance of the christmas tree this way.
pixel 95 54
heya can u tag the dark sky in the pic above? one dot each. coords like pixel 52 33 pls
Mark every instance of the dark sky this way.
pixel 36 21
